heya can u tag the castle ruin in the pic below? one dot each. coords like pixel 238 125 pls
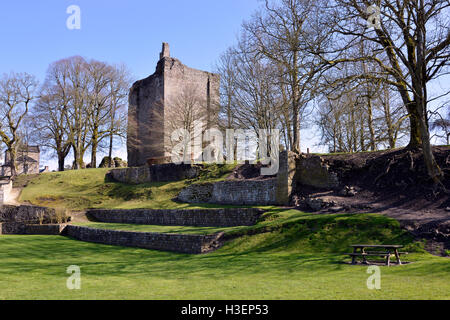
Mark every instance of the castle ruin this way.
pixel 172 98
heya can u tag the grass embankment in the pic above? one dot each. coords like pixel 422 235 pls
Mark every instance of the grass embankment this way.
pixel 81 189
pixel 301 258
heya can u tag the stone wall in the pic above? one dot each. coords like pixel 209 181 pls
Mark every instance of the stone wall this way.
pixel 31 229
pixel 192 244
pixel 229 217
pixel 233 192
pixel 29 214
pixel 275 191
pixel 313 171
pixel 286 177
pixel 155 173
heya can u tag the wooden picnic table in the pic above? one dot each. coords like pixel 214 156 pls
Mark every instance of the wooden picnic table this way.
pixel 359 250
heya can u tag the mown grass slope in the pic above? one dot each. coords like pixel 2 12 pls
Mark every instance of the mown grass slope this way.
pixel 83 189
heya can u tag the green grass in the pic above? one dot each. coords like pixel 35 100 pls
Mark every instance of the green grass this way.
pixel 299 257
pixel 78 190
pixel 288 254
pixel 146 228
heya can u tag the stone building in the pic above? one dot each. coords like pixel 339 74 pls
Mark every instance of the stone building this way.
pixel 27 161
pixel 170 99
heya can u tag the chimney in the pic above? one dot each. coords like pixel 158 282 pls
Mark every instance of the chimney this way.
pixel 165 53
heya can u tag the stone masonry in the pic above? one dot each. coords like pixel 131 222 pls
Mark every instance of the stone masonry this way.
pixel 156 173
pixel 154 101
pixel 30 214
pixel 182 243
pixel 230 217
pixel 233 192
pixel 274 191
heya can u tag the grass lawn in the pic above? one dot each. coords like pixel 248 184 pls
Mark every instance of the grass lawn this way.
pixel 299 257
pixel 81 189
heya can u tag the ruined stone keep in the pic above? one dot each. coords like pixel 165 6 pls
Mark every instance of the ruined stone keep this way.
pixel 170 99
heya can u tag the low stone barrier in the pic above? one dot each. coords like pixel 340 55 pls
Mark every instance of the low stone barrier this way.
pixel 229 217
pixel 30 214
pixel 18 228
pixel 156 173
pixel 182 243
pixel 232 192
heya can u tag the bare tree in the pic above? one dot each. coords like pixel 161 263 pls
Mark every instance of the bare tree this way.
pixel 414 37
pixel 50 112
pixel 287 33
pixel 187 108
pixel 78 112
pixel 100 77
pixel 227 68
pixel 117 106
pixel 441 124
pixel 17 91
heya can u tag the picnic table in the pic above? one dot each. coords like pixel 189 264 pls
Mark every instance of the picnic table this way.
pixel 359 250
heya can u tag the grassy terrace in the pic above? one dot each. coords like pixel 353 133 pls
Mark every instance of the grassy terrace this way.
pixel 83 189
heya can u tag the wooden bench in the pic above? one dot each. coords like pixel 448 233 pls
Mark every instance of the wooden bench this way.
pixel 391 250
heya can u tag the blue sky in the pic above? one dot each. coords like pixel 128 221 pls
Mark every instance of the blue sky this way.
pixel 33 33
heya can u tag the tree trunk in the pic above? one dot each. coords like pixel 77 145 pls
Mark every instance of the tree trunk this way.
pixel 295 107
pixel 12 161
pixel 61 159
pixel 420 97
pixel 388 119
pixel 370 124
pixel 94 154
pixel 415 137
pixel 110 150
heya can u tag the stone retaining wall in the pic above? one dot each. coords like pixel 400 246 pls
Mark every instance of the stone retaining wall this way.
pixel 233 192
pixel 29 214
pixel 156 173
pixel 192 244
pixel 36 229
pixel 229 217
pixel 312 170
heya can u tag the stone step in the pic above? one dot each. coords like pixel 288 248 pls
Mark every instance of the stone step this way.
pixel 229 217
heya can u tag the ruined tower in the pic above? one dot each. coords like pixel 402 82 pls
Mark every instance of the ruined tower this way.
pixel 165 101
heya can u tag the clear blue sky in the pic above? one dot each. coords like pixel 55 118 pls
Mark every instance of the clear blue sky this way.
pixel 33 33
